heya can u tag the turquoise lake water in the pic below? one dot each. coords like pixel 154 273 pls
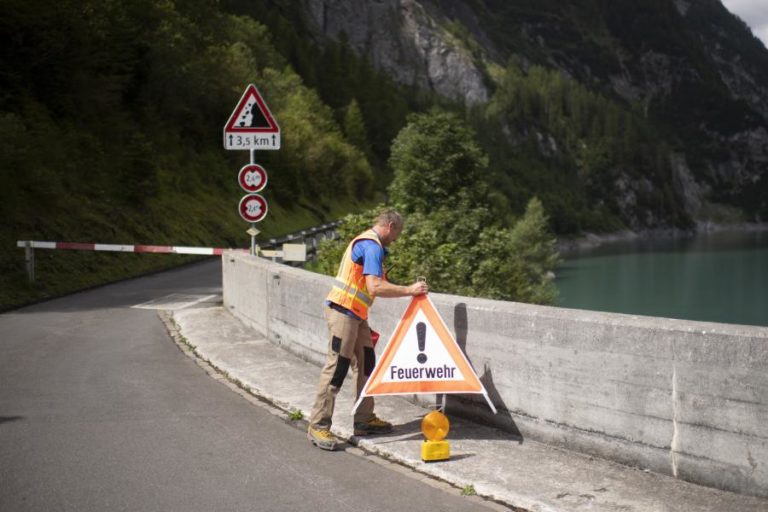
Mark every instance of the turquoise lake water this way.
pixel 718 277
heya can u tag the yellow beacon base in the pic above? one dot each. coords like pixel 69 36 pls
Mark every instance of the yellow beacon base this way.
pixel 435 427
pixel 432 451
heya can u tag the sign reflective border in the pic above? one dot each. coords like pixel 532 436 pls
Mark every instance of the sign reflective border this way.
pixel 252 178
pixel 253 208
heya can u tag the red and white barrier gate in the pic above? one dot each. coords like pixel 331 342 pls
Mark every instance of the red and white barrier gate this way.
pixel 158 249
pixel 290 252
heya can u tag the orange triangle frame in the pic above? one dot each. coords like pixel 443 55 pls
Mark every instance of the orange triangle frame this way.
pixel 469 384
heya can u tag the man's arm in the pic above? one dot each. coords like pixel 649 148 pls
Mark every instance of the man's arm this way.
pixel 378 287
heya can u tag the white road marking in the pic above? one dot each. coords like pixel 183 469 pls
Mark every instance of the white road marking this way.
pixel 175 302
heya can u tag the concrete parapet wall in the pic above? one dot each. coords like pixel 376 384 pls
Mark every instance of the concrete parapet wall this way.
pixel 688 399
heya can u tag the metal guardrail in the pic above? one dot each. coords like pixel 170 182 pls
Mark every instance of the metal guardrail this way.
pixel 305 233
pixel 311 237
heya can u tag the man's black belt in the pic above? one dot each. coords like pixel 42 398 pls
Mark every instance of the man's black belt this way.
pixel 338 308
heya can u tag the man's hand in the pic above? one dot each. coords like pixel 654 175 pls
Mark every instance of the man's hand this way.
pixel 381 288
pixel 418 288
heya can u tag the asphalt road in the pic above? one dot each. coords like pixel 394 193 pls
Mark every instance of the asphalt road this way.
pixel 100 411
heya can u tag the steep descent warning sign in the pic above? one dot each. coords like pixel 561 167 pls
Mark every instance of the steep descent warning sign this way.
pixel 422 357
pixel 251 125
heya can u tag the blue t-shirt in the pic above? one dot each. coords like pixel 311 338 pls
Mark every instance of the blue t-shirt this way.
pixel 371 255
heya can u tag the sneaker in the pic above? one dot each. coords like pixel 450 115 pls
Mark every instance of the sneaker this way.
pixel 322 438
pixel 372 426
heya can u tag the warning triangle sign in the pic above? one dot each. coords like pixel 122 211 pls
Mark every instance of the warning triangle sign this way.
pixel 251 115
pixel 422 357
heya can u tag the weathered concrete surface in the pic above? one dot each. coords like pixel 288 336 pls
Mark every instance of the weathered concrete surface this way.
pixel 688 399
pixel 531 475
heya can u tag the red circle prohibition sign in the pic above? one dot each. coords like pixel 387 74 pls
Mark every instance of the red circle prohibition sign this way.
pixel 253 208
pixel 252 178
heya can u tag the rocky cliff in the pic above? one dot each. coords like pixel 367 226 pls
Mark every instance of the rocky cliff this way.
pixel 408 40
pixel 689 67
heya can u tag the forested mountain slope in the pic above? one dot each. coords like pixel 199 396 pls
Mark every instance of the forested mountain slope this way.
pixel 617 113
pixel 111 117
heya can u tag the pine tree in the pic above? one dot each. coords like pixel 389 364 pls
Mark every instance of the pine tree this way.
pixel 354 127
pixel 532 247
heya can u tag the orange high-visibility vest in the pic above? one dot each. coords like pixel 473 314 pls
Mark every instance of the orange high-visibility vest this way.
pixel 349 290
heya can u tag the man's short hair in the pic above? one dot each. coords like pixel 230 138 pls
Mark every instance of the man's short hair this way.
pixel 386 217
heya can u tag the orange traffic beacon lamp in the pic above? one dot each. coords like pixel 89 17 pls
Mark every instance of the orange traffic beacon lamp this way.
pixel 435 427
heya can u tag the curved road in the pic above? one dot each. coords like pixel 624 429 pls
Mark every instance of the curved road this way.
pixel 100 411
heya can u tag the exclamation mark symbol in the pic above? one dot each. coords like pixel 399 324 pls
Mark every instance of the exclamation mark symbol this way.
pixel 421 337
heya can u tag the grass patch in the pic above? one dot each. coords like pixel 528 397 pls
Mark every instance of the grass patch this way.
pixel 59 272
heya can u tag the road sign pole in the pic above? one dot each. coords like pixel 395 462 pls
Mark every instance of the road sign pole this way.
pixel 253 232
pixel 29 252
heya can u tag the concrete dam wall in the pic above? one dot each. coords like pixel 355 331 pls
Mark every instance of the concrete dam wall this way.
pixel 683 398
